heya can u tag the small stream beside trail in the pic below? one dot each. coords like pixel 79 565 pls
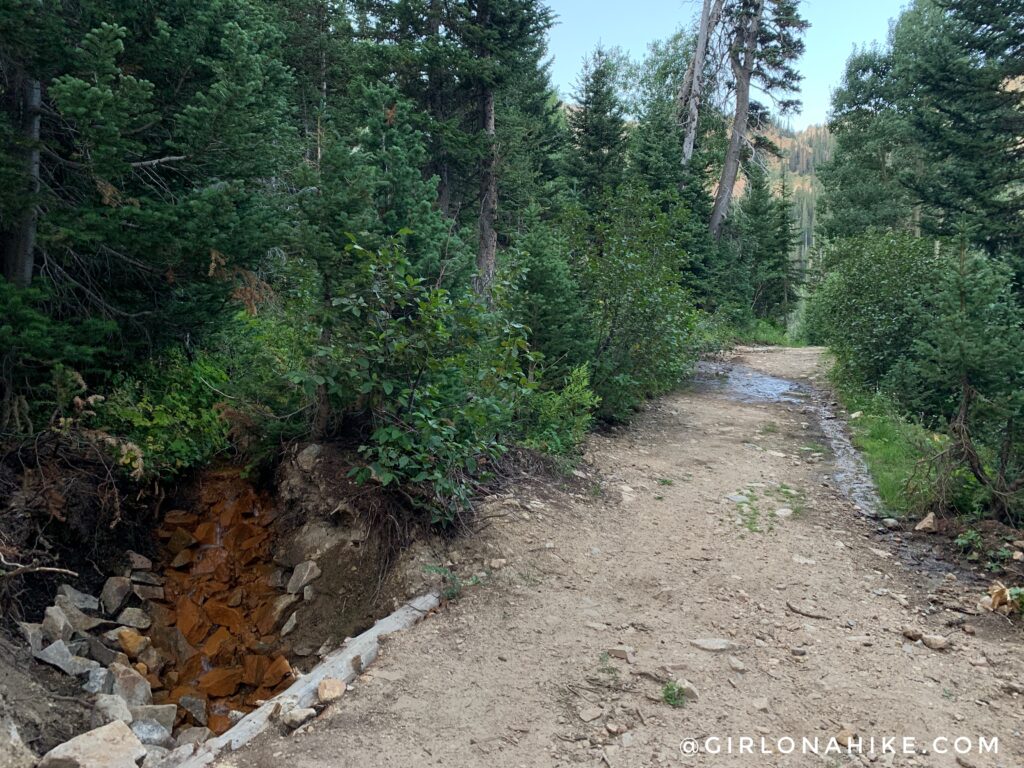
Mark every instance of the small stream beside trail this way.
pixel 850 474
pixel 240 588
pixel 217 621
pixel 742 383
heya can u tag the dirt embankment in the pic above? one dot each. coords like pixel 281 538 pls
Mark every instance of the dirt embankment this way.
pixel 239 591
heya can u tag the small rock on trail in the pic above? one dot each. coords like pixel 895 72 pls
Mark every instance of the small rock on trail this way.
pixel 714 644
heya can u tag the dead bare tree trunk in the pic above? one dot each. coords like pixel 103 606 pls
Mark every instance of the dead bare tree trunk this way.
pixel 20 242
pixel 742 57
pixel 693 83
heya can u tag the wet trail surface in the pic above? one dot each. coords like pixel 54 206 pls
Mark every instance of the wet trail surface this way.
pixel 748 385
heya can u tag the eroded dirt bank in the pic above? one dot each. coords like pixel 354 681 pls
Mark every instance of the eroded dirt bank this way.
pixel 780 611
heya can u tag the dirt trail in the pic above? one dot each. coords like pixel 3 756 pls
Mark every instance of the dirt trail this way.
pixel 518 672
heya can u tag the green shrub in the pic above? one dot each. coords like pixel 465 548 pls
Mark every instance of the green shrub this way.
pixel 941 336
pixel 435 377
pixel 168 409
pixel 629 263
pixel 558 420
pixel 875 302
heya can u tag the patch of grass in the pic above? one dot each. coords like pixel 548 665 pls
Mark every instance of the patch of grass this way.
pixel 763 332
pixel 751 517
pixel 969 541
pixel 893 448
pixel 453 583
pixel 665 481
pixel 769 428
pixel 792 498
pixel 673 694
pixel 606 667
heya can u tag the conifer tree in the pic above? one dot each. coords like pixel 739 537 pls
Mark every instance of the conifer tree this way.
pixel 598 129
pixel 956 70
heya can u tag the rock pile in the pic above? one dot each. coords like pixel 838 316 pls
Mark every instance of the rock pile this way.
pixel 179 657
pixel 98 640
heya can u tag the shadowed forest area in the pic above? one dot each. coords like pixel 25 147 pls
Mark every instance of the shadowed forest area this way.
pixel 232 225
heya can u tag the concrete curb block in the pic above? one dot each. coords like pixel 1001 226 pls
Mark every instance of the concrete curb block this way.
pixel 345 663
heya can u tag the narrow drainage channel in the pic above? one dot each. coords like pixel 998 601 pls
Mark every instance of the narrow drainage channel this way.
pixel 217 625
pixel 851 475
pixel 742 383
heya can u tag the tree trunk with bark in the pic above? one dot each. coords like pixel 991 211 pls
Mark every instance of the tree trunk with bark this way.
pixel 743 57
pixel 435 76
pixel 486 258
pixel 20 241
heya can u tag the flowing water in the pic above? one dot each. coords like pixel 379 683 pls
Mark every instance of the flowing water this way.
pixel 851 475
pixel 747 385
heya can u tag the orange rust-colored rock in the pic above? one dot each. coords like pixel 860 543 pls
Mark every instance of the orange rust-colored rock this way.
pixel 220 682
pixel 206 533
pixel 218 723
pixel 255 698
pixel 191 668
pixel 132 642
pixel 215 642
pixel 180 517
pixel 220 613
pixel 209 560
pixel 252 641
pixel 250 556
pixel 179 540
pixel 220 583
pixel 182 559
pixel 254 667
pixel 278 670
pixel 192 621
pixel 229 515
